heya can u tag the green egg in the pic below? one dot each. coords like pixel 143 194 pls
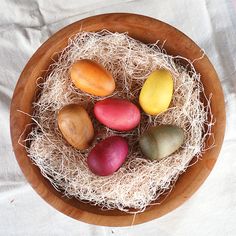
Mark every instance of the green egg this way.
pixel 161 141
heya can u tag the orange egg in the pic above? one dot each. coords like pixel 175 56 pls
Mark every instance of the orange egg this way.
pixel 92 78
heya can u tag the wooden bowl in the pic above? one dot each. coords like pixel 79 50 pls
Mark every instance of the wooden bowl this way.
pixel 147 30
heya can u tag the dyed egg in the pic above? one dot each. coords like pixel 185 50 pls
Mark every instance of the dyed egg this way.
pixel 92 78
pixel 76 126
pixel 117 114
pixel 156 93
pixel 161 141
pixel 108 156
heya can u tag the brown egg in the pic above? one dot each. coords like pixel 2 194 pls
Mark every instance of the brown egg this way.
pixel 76 126
pixel 92 78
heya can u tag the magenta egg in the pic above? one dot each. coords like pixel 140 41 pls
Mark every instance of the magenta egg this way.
pixel 117 114
pixel 108 156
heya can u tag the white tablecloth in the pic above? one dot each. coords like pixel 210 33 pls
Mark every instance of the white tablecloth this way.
pixel 25 25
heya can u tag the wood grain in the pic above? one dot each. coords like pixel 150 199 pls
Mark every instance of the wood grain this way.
pixel 147 30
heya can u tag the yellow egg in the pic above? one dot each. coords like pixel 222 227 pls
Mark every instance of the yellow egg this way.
pixel 157 91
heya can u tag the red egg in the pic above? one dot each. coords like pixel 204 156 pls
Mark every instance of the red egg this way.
pixel 117 114
pixel 108 156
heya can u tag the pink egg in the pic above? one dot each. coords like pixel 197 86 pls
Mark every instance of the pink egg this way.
pixel 108 156
pixel 117 114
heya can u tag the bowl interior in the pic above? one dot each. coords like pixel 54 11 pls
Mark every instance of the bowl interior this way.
pixel 147 30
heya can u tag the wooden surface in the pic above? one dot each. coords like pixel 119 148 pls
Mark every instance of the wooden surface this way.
pixel 147 30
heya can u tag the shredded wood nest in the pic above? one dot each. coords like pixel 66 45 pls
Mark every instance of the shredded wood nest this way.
pixel 139 181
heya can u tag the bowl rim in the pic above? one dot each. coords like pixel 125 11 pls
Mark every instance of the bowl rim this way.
pixel 54 198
